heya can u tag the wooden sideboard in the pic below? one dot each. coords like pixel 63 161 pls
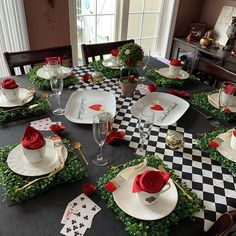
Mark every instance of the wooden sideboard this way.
pixel 214 62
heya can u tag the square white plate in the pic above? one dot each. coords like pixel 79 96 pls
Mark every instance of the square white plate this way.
pixel 83 105
pixel 174 107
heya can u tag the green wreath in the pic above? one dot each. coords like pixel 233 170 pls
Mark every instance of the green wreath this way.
pixel 184 208
pixel 11 181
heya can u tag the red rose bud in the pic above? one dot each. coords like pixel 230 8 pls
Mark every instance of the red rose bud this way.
pixel 175 62
pixel 229 88
pixel 88 189
pixel 115 52
pixel 177 78
pixel 110 186
pixel 227 110
pixel 48 59
pixel 85 77
pixel 115 136
pixel 173 91
pixel 132 79
pixel 234 133
pixel 213 144
pixel 57 128
pixel 152 87
pixel 183 93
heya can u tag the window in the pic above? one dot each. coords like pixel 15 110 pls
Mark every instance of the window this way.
pixel 148 22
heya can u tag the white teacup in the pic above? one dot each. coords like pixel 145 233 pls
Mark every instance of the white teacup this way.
pixel 36 155
pixel 150 198
pixel 233 142
pixel 174 70
pixel 11 94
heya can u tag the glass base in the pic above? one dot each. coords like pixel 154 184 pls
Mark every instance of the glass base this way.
pixel 140 152
pixel 59 112
pixel 100 160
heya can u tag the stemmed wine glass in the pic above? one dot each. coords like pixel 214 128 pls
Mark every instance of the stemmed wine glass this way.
pixel 102 126
pixel 56 82
pixel 145 124
pixel 143 66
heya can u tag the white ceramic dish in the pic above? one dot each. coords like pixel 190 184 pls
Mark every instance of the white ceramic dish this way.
pixel 226 150
pixel 42 72
pixel 110 64
pixel 83 105
pixel 18 163
pixel 214 101
pixel 22 95
pixel 129 202
pixel 174 107
pixel 165 72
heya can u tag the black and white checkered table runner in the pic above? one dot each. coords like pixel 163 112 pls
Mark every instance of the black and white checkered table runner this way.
pixel 212 183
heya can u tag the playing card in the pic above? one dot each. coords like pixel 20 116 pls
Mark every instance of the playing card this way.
pixel 143 89
pixel 67 214
pixel 75 226
pixel 42 124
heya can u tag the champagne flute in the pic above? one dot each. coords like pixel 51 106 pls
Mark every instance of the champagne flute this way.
pixel 102 126
pixel 143 66
pixel 145 124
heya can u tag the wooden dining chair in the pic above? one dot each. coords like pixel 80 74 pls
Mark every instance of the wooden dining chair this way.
pixel 100 49
pixel 33 57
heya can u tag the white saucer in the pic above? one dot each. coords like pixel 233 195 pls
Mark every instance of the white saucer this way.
pixel 110 64
pixel 225 149
pixel 18 163
pixel 165 72
pixel 130 203
pixel 18 102
pixel 42 72
pixel 213 99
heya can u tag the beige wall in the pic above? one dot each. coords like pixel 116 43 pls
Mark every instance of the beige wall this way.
pixel 47 27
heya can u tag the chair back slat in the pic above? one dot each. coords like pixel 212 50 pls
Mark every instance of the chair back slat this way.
pixel 100 49
pixel 33 57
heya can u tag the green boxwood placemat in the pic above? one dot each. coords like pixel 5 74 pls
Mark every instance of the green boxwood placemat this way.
pixel 202 144
pixel 201 101
pixel 184 208
pixel 110 73
pixel 7 115
pixel 169 83
pixel 45 84
pixel 11 181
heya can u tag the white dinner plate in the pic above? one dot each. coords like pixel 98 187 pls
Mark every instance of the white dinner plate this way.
pixel 110 64
pixel 18 163
pixel 18 102
pixel 225 149
pixel 129 202
pixel 83 105
pixel 42 72
pixel 174 107
pixel 213 99
pixel 165 72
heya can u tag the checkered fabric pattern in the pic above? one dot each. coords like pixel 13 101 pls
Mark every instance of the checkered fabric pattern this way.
pixel 212 183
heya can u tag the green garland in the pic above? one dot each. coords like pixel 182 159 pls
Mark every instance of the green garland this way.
pixel 110 73
pixel 201 101
pixel 185 208
pixel 11 181
pixel 202 144
pixel 24 111
pixel 45 84
pixel 169 83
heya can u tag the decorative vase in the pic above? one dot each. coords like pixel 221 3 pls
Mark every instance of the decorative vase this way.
pixel 205 42
pixel 127 87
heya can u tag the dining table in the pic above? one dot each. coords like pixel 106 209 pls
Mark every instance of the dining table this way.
pixel 42 214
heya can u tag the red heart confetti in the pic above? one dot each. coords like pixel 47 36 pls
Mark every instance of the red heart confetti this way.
pixel 152 87
pixel 213 144
pixel 96 107
pixel 157 107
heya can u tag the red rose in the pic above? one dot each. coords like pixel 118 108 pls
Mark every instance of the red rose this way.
pixel 32 139
pixel 57 128
pixel 85 77
pixel 213 144
pixel 9 83
pixel 152 87
pixel 229 88
pixel 88 189
pixel 110 186
pixel 175 62
pixel 115 52
pixel 115 136
pixel 150 181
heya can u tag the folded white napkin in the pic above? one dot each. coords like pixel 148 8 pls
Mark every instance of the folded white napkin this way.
pixel 233 140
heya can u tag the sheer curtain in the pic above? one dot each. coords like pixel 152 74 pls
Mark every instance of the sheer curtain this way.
pixel 13 30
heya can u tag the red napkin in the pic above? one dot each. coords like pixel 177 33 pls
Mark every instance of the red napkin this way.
pixel 115 52
pixel 213 144
pixel 9 83
pixel 175 62
pixel 88 189
pixel 234 133
pixel 48 59
pixel 32 139
pixel 227 110
pixel 115 136
pixel 152 87
pixel 57 128
pixel 180 93
pixel 150 181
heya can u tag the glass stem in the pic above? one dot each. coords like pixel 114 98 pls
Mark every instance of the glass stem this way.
pixel 59 100
pixel 142 144
pixel 100 152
